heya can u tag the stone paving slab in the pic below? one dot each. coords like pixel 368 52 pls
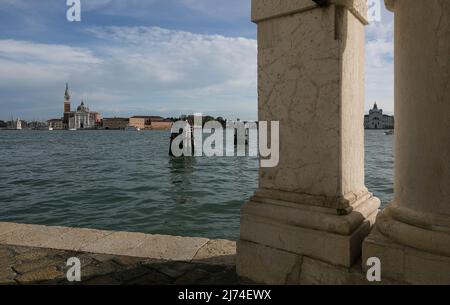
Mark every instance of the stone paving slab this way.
pixel 33 254
pixel 114 243
pixel 19 265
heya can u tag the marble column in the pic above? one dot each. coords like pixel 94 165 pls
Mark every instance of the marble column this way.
pixel 412 235
pixel 314 206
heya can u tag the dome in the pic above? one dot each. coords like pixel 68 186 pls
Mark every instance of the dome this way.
pixel 82 108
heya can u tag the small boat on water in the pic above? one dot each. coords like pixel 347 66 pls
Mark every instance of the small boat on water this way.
pixel 132 128
pixel 50 128
pixel 73 129
pixel 389 133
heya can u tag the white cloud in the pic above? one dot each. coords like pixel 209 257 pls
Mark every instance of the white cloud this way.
pixel 44 53
pixel 131 68
pixel 380 66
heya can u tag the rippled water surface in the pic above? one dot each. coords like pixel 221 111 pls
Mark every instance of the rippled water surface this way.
pixel 119 180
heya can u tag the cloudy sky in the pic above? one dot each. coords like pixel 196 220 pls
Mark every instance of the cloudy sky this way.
pixel 160 57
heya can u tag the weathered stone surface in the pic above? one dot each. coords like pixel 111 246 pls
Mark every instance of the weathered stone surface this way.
pixel 197 276
pixel 125 261
pixel 404 264
pixel 334 248
pixel 40 275
pixel 172 269
pixel 41 263
pixel 308 215
pixel 266 9
pixel 7 275
pixel 6 227
pixel 36 254
pixel 102 242
pixel 94 270
pixel 414 244
pixel 31 235
pixel 75 239
pixel 152 278
pixel 103 280
pixel 217 252
pixel 155 259
pixel 311 79
pixel 262 264
pixel 315 272
pixel 147 246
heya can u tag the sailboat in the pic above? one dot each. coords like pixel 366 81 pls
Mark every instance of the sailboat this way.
pixel 18 124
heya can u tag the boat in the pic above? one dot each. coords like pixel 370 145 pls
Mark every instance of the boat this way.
pixel 132 128
pixel 50 128
pixel 18 124
pixel 72 129
pixel 389 133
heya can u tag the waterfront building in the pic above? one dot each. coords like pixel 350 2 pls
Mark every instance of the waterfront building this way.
pixel 97 117
pixel 377 120
pixel 56 124
pixel 66 107
pixel 115 123
pixel 82 118
pixel 150 122
pixel 141 122
pixel 160 123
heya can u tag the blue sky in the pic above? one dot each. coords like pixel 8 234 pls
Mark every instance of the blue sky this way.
pixel 161 57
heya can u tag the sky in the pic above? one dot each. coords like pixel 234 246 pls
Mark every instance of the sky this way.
pixel 155 57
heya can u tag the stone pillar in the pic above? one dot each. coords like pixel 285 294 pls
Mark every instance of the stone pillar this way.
pixel 313 208
pixel 412 236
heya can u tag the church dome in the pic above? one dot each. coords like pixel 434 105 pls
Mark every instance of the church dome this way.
pixel 82 108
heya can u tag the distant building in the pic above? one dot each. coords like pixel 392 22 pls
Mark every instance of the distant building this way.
pixel 97 118
pixel 115 123
pixel 141 122
pixel 56 124
pixel 377 120
pixel 66 107
pixel 150 122
pixel 82 118
pixel 160 123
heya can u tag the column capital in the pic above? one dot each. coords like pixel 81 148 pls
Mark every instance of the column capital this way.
pixel 268 9
pixel 390 4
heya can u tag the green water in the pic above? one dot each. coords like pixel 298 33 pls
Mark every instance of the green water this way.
pixel 119 180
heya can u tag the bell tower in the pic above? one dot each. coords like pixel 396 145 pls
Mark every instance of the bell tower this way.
pixel 66 106
pixel 67 99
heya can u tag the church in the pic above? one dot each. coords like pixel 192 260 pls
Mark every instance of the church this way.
pixel 82 118
pixel 377 120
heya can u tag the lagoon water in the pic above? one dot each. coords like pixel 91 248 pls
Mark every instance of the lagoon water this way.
pixel 118 180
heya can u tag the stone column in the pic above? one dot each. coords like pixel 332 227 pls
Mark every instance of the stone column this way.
pixel 313 209
pixel 412 236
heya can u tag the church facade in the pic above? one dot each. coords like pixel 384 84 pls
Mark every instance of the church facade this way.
pixel 377 120
pixel 82 118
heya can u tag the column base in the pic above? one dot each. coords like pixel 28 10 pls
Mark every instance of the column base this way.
pixel 406 264
pixel 276 234
pixel 259 264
